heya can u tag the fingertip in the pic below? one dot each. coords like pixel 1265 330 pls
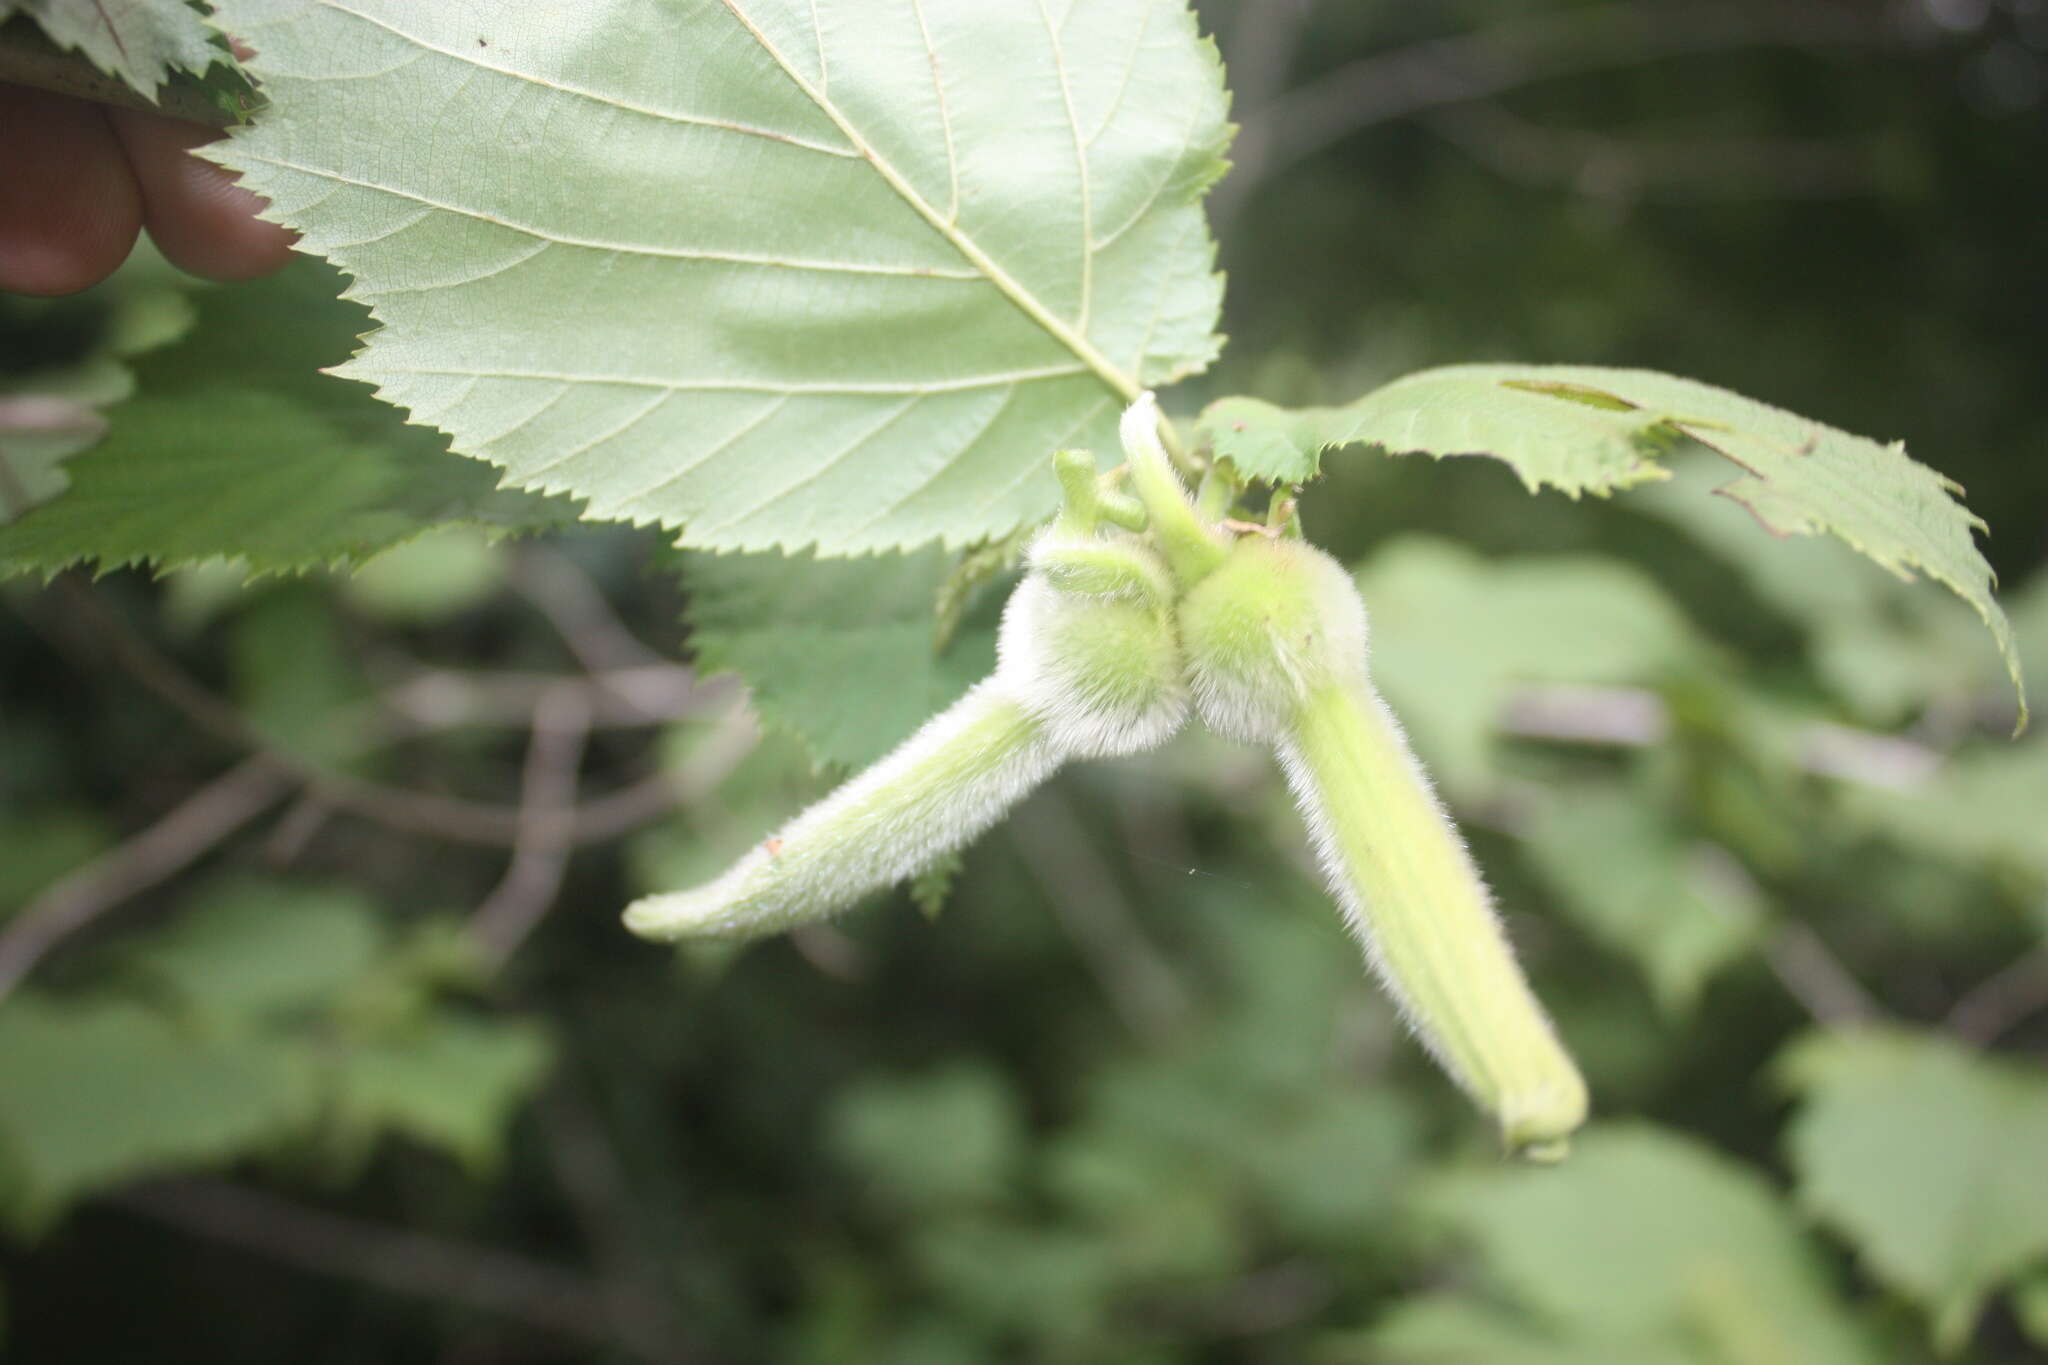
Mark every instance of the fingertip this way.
pixel 69 205
pixel 199 217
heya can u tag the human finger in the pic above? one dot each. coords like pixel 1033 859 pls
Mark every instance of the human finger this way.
pixel 69 204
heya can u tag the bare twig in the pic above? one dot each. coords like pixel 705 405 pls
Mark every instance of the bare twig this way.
pixel 547 825
pixel 732 738
pixel 621 698
pixel 1635 717
pixel 289 837
pixel 1574 714
pixel 1259 49
pixel 1135 976
pixel 443 817
pixel 572 604
pixel 1816 978
pixel 2003 999
pixel 401 1261
pixel 1455 70
pixel 198 823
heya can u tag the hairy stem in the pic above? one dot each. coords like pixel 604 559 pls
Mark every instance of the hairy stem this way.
pixel 1412 894
pixel 1190 549
pixel 934 793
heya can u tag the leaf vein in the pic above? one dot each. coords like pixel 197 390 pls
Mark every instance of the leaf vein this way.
pixel 979 381
pixel 751 424
pixel 1119 382
pixel 945 116
pixel 610 433
pixel 631 248
pixel 580 92
pixel 1059 62
pixel 831 463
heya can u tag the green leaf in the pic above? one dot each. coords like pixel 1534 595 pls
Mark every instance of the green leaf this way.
pixel 94 1093
pixel 1049 1284
pixel 1982 807
pixel 774 272
pixel 1453 633
pixel 1928 1158
pixel 1589 429
pixel 37 434
pixel 1328 1170
pixel 63 359
pixel 429 580
pixel 452 1081
pixel 241 449
pixel 1679 911
pixel 1645 1234
pixel 951 1137
pixel 930 888
pixel 142 42
pixel 1885 649
pixel 1453 1329
pixel 295 677
pixel 838 652
pixel 252 951
pixel 2030 1306
pixel 40 843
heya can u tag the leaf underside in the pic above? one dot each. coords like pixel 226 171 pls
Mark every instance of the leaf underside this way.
pixel 774 273
pixel 1590 429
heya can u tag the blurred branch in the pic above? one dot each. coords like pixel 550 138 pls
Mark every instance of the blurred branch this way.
pixel 1457 70
pixel 1573 714
pixel 547 825
pixel 2003 999
pixel 410 1263
pixel 289 837
pixel 1628 169
pixel 410 812
pixel 196 824
pixel 1259 51
pixel 563 593
pixel 618 698
pixel 1812 975
pixel 1635 717
pixel 1803 963
pixel 1081 889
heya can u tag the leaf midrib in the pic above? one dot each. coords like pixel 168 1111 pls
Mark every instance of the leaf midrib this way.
pixel 1104 369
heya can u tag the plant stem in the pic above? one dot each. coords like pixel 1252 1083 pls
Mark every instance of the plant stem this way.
pixel 1191 549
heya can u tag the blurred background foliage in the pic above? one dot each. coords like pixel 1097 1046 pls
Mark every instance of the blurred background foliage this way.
pixel 321 1041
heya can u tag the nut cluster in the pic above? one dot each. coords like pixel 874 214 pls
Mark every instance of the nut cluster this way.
pixel 1133 612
